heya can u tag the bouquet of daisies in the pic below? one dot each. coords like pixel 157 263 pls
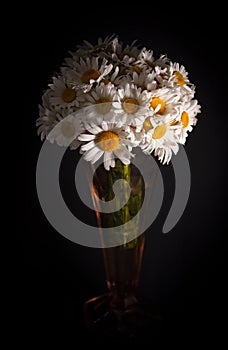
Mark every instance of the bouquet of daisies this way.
pixel 111 97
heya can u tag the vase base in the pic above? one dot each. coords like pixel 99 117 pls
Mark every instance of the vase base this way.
pixel 137 322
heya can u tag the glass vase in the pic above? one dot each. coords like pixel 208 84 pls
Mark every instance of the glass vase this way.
pixel 119 312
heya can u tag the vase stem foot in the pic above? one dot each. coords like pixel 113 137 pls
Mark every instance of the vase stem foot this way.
pixel 138 320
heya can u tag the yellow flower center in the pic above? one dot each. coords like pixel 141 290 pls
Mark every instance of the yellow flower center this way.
pixel 130 105
pixel 103 105
pixel 147 124
pixel 68 95
pixel 179 78
pixel 108 141
pixel 137 69
pixel 158 101
pixel 90 74
pixel 159 131
pixel 68 129
pixel 184 119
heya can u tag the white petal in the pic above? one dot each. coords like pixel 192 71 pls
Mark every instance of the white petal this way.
pixel 97 156
pixel 125 160
pixel 108 160
pixel 88 146
pixel 107 166
pixel 108 156
pixel 157 108
pixel 107 69
pixel 104 125
pixel 127 90
pixel 94 129
pixel 86 137
pixel 123 154
pixel 90 154
pixel 113 163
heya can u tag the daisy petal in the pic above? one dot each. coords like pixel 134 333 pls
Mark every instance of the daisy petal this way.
pixel 88 146
pixel 86 137
pixel 90 154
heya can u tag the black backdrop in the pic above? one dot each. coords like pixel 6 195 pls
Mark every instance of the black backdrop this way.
pixel 183 271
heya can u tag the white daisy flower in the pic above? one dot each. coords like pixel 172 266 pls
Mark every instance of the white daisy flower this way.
pixel 46 121
pixel 164 102
pixel 150 119
pixel 127 53
pixel 88 48
pixel 177 76
pixel 62 94
pixel 99 103
pixel 133 104
pixel 87 71
pixel 147 60
pixel 187 119
pixel 145 80
pixel 48 117
pixel 107 140
pixel 66 131
pixel 160 137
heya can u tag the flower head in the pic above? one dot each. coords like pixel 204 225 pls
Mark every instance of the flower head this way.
pixel 66 131
pixel 107 140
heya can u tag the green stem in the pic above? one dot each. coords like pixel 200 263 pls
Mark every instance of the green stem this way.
pixel 104 187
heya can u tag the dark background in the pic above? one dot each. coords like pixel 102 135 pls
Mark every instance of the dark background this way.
pixel 184 271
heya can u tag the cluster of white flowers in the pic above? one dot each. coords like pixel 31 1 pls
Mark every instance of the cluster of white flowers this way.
pixel 110 97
